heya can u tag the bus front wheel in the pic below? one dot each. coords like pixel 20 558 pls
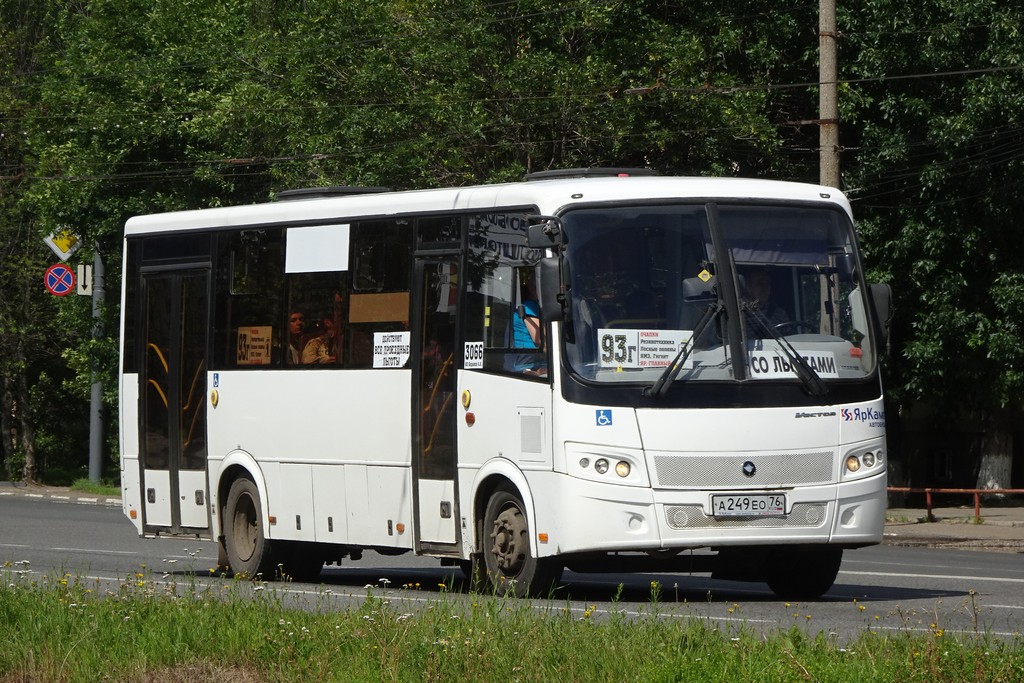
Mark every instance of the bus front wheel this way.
pixel 511 567
pixel 248 548
pixel 803 573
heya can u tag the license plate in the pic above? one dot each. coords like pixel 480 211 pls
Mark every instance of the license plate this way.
pixel 744 505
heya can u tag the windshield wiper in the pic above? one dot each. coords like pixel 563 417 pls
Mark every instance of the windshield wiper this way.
pixel 662 384
pixel 803 370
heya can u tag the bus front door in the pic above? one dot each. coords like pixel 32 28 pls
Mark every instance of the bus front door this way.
pixel 435 413
pixel 172 398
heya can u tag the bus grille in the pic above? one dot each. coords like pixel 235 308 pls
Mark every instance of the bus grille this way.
pixel 726 471
pixel 805 515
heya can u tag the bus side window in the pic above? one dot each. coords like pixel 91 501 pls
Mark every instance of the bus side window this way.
pixel 317 300
pixel 380 282
pixel 248 285
pixel 500 264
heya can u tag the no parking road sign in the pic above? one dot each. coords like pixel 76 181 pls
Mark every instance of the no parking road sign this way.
pixel 59 279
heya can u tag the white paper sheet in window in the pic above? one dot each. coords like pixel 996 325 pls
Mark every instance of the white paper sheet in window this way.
pixel 317 249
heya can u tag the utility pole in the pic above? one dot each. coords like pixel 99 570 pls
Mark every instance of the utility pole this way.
pixel 96 398
pixel 828 105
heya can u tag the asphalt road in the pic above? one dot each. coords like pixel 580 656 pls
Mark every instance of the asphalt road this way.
pixel 884 588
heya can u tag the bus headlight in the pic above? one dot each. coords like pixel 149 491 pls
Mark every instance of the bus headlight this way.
pixel 864 463
pixel 597 464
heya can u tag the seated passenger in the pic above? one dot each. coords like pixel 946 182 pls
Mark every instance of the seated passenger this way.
pixel 322 348
pixel 296 329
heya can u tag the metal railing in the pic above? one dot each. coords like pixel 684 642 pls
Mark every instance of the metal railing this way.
pixel 977 493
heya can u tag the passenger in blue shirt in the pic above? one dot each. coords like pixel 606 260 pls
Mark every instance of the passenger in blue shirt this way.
pixel 526 333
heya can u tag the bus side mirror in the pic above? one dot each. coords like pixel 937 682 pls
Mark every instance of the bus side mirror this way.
pixel 844 266
pixel 547 234
pixel 552 294
pixel 881 305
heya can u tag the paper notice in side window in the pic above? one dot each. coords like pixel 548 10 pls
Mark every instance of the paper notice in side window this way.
pixel 253 345
pixel 390 349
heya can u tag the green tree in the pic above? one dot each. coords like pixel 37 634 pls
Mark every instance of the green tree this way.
pixel 27 342
pixel 937 178
pixel 137 106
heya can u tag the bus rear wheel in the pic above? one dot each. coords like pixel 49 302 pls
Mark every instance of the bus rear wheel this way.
pixel 248 548
pixel 511 567
pixel 803 573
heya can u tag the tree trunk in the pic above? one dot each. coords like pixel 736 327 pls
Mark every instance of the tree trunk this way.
pixel 996 451
pixel 23 411
pixel 8 440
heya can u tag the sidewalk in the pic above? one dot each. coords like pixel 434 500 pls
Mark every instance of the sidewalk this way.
pixel 1001 528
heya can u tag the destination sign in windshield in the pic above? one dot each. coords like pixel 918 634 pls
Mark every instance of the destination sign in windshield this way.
pixel 772 365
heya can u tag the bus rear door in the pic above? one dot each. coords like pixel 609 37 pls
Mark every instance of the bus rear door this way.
pixel 172 400
pixel 434 378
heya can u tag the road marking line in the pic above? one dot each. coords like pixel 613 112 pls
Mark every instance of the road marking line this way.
pixel 935 576
pixel 948 631
pixel 98 552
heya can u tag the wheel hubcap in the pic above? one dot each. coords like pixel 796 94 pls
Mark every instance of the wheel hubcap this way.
pixel 508 539
pixel 244 525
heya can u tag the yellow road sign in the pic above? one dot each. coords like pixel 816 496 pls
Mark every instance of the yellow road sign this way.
pixel 63 242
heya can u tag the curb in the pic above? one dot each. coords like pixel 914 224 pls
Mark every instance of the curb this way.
pixel 58 494
pixel 953 543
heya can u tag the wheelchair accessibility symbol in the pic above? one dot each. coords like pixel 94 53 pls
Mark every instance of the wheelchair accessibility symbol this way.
pixel 603 418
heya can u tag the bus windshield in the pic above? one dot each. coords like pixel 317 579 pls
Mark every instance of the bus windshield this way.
pixel 648 290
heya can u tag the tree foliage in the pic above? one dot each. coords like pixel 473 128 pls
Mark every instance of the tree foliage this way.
pixel 939 183
pixel 120 107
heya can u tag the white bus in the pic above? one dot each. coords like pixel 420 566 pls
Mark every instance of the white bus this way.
pixel 346 369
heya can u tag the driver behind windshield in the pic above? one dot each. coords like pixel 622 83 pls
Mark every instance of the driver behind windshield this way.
pixel 759 289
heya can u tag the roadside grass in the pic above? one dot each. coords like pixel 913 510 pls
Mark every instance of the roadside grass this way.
pixel 62 628
pixel 86 485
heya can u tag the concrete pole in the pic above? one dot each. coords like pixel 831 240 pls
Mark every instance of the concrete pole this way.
pixel 96 396
pixel 828 106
